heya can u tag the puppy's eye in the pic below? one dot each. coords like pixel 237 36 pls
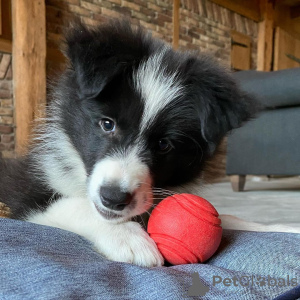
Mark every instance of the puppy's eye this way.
pixel 107 125
pixel 164 146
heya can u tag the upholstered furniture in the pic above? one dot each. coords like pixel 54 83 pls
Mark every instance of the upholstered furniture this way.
pixel 270 144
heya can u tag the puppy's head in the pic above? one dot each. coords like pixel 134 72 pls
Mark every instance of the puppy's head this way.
pixel 140 114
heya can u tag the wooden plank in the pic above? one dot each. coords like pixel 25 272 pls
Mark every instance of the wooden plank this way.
pixel 283 20
pixel 29 65
pixel 176 5
pixel 265 37
pixel 240 51
pixel 5 62
pixel 265 45
pixel 276 48
pixel 53 54
pixel 240 58
pixel 261 46
pixel 287 49
pixel 5 45
pixel 247 8
pixel 240 38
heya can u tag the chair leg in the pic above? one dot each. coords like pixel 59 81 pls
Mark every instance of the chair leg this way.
pixel 238 182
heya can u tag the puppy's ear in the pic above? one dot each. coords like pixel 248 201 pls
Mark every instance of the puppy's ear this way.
pixel 230 109
pixel 100 53
pixel 91 69
pixel 221 105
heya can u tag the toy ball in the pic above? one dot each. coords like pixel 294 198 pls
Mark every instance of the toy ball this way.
pixel 186 229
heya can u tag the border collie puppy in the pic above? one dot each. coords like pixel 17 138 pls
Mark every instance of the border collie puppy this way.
pixel 129 117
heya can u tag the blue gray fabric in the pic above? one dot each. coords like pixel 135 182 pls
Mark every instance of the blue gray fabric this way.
pixel 273 89
pixel 39 262
pixel 268 145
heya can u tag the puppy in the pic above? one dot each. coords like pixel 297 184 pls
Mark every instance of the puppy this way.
pixel 128 118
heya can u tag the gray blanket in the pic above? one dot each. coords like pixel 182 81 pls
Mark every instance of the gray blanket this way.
pixel 39 262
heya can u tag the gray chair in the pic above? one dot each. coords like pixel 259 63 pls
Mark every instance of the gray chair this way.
pixel 270 144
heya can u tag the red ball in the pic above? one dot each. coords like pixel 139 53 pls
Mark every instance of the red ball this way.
pixel 186 229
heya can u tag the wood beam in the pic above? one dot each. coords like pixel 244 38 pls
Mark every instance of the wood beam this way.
pixel 287 49
pixel 29 65
pixel 53 54
pixel 246 8
pixel 284 21
pixel 176 6
pixel 265 37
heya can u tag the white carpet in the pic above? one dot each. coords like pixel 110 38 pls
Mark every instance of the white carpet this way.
pixel 276 201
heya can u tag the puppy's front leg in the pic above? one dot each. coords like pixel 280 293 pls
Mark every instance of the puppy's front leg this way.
pixel 128 242
pixel 124 242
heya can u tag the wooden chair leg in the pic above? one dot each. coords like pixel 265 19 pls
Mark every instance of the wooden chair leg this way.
pixel 238 182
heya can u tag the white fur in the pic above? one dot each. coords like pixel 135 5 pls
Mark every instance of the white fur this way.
pixel 62 165
pixel 124 242
pixel 156 87
pixel 123 167
pixel 126 170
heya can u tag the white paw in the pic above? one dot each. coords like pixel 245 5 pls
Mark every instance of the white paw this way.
pixel 128 242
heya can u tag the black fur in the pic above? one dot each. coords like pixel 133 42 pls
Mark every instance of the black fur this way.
pixel 21 190
pixel 98 84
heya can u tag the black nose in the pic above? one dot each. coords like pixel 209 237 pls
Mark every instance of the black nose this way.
pixel 113 198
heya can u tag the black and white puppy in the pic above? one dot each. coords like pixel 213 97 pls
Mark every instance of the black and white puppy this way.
pixel 129 117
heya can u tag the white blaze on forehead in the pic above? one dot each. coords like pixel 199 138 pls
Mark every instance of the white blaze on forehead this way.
pixel 124 168
pixel 156 86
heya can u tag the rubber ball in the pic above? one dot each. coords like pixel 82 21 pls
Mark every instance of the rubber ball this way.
pixel 186 229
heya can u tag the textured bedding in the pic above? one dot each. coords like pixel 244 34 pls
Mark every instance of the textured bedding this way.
pixel 39 262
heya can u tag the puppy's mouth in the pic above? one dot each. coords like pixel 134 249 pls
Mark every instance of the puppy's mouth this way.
pixel 109 215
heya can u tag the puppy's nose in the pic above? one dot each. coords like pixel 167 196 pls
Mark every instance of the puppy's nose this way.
pixel 113 198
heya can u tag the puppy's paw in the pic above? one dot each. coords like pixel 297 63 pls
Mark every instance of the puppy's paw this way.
pixel 128 242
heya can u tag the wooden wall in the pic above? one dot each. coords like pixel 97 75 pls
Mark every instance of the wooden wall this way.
pixel 286 50
pixel 29 65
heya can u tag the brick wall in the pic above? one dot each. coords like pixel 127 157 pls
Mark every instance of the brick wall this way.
pixel 6 107
pixel 205 26
pixel 156 15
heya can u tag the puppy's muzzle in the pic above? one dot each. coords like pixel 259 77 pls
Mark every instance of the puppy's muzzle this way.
pixel 113 198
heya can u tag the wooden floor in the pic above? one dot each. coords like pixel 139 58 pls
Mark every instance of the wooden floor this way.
pixel 275 201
